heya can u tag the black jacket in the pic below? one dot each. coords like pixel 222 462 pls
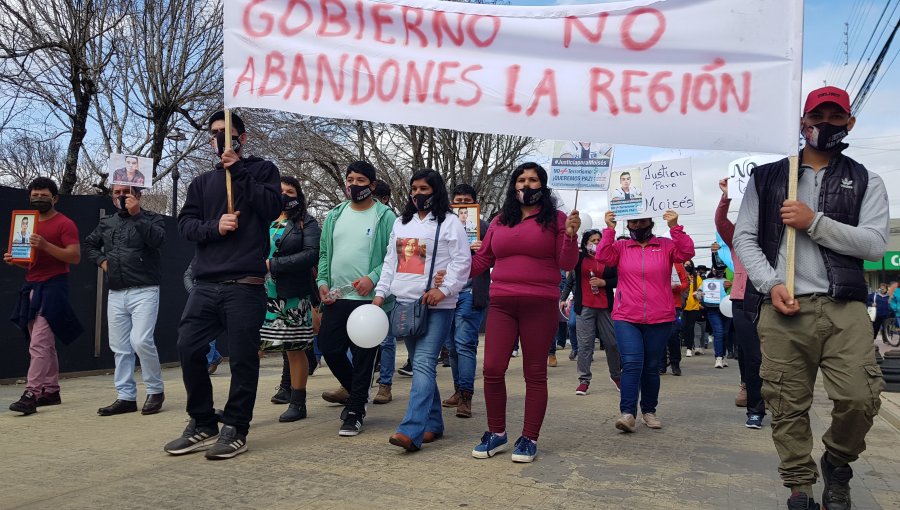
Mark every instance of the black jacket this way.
pixel 51 299
pixel 296 254
pixel 573 285
pixel 130 246
pixel 840 198
pixel 256 191
pixel 481 284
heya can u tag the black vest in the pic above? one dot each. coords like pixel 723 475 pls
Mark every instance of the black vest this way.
pixel 844 183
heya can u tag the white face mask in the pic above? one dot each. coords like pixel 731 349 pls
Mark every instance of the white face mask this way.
pixel 592 248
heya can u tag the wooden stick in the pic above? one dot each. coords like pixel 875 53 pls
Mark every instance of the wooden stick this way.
pixel 227 171
pixel 791 239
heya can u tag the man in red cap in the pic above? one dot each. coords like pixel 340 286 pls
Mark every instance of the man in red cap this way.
pixel 841 218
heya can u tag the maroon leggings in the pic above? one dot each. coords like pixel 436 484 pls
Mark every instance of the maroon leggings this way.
pixel 532 320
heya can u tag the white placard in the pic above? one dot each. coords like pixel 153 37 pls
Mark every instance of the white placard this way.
pixel 701 74
pixel 130 170
pixel 713 291
pixel 649 189
pixel 739 172
pixel 583 166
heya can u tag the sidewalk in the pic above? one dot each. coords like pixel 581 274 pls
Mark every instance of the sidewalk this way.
pixel 67 457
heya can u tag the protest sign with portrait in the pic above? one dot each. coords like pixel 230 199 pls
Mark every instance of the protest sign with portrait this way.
pixel 130 170
pixel 470 216
pixel 22 226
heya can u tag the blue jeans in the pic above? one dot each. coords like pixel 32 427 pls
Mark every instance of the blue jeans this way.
pixel 640 346
pixel 573 336
pixel 213 355
pixel 463 342
pixel 719 325
pixel 388 356
pixel 424 410
pixel 132 319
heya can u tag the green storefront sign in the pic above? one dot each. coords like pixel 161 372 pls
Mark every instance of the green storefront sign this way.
pixel 890 262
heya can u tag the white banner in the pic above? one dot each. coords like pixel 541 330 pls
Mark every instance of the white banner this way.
pixel 583 166
pixel 739 172
pixel 649 189
pixel 703 74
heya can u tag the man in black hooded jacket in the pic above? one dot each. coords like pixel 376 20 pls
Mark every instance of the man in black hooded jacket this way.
pixel 228 301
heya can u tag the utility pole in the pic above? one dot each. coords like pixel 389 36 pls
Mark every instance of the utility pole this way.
pixel 846 43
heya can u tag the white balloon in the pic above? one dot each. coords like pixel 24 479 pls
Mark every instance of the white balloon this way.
pixel 586 223
pixel 725 307
pixel 367 326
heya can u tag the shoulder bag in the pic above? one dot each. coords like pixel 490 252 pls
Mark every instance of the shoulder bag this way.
pixel 411 319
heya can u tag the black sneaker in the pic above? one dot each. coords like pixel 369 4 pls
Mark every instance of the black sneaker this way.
pixel 49 399
pixel 836 495
pixel 27 404
pixel 800 501
pixel 406 369
pixel 352 425
pixel 230 444
pixel 282 396
pixel 192 439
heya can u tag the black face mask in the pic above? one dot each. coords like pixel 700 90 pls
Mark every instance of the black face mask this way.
pixel 530 196
pixel 824 136
pixel 641 234
pixel 42 205
pixel 422 202
pixel 290 203
pixel 358 193
pixel 220 143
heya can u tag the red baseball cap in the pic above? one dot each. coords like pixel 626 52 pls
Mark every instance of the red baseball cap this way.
pixel 827 95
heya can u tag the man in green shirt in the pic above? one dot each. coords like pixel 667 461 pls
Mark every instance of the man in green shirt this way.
pixel 354 242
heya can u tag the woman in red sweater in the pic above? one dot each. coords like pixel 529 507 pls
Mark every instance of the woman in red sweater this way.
pixel 527 245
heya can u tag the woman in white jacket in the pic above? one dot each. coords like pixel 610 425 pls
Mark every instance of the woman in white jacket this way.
pixel 414 236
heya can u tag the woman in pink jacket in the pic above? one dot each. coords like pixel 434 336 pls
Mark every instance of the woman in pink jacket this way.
pixel 643 312
pixel 527 245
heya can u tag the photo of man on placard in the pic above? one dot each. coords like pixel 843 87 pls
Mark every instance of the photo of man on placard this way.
pixel 21 229
pixel 24 232
pixel 469 215
pixel 130 174
pixel 626 190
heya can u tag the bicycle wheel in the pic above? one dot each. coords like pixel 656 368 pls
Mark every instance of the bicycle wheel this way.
pixel 893 333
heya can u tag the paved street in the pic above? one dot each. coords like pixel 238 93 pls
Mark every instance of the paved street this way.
pixel 67 457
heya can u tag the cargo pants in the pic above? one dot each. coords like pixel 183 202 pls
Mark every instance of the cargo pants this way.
pixel 832 336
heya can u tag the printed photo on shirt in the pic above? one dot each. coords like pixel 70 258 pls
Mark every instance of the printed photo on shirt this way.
pixel 411 255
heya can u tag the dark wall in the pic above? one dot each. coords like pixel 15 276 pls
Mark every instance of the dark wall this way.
pixel 79 355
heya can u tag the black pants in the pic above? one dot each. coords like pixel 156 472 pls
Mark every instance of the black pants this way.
pixel 356 377
pixel 688 333
pixel 750 358
pixel 878 325
pixel 672 353
pixel 232 314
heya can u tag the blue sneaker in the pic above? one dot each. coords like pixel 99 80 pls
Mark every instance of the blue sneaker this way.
pixel 491 444
pixel 525 451
pixel 754 421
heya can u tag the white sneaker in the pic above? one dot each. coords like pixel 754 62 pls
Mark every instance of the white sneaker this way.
pixel 688 353
pixel 724 362
pixel 720 362
pixel 515 353
pixel 698 351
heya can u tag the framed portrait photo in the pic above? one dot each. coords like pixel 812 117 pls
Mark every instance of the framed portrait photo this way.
pixel 470 216
pixel 22 225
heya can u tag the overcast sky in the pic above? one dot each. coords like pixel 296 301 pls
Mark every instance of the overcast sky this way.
pixel 874 141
